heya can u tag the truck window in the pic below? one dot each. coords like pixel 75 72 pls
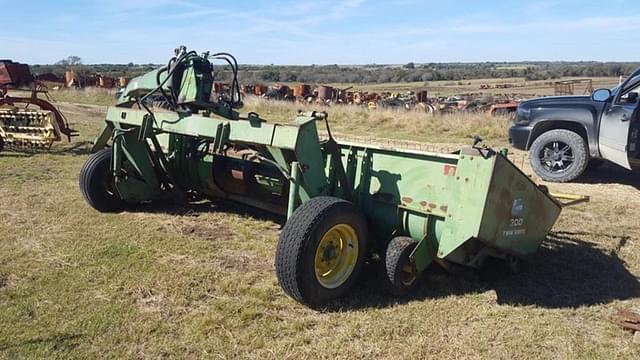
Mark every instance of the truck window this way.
pixel 632 86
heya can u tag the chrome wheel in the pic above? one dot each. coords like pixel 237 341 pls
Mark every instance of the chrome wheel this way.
pixel 556 156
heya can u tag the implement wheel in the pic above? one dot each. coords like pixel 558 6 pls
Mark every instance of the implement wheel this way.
pixel 400 274
pixel 321 250
pixel 96 183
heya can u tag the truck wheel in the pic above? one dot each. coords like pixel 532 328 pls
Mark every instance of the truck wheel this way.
pixel 95 183
pixel 321 250
pixel 400 274
pixel 559 155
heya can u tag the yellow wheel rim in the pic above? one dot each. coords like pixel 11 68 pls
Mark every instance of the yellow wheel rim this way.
pixel 408 275
pixel 336 256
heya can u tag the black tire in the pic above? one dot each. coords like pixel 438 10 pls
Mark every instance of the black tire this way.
pixel 398 279
pixel 298 246
pixel 1 143
pixel 95 183
pixel 559 155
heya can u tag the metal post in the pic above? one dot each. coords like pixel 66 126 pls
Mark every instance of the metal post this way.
pixel 294 188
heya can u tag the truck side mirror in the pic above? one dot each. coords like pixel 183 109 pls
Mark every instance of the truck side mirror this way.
pixel 601 95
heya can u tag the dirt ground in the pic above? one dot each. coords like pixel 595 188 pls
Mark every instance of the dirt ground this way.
pixel 197 280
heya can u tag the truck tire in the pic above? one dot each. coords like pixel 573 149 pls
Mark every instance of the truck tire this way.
pixel 559 155
pixel 321 250
pixel 400 274
pixel 95 180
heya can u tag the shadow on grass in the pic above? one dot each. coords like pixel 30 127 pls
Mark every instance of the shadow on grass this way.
pixel 75 148
pixel 57 341
pixel 195 205
pixel 567 272
pixel 608 173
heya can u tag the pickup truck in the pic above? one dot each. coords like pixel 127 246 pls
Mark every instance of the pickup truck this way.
pixel 564 134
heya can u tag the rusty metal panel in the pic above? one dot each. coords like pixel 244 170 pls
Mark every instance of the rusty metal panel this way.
pixel 15 74
pixel 422 96
pixel 48 77
pixel 325 92
pixel 259 90
pixel 70 79
pixel 123 81
pixel 301 90
pixel 105 82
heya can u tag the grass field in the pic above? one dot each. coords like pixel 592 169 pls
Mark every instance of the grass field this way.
pixel 197 280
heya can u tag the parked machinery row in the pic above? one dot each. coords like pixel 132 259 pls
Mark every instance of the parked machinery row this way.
pixel 408 100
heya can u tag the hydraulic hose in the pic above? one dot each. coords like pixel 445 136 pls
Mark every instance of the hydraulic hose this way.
pixel 170 73
pixel 235 85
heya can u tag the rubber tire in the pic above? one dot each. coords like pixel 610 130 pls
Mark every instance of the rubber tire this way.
pixel 396 257
pixel 299 239
pixel 93 179
pixel 578 147
pixel 1 144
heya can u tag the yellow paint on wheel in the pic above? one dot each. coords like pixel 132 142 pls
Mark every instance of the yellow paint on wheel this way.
pixel 408 275
pixel 336 256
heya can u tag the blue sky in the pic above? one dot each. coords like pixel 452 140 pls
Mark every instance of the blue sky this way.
pixel 322 31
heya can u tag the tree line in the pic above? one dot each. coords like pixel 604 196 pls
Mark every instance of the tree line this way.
pixel 367 74
pixel 432 72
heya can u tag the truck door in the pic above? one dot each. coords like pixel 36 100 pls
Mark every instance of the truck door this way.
pixel 615 123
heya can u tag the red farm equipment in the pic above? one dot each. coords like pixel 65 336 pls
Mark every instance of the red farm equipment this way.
pixel 32 121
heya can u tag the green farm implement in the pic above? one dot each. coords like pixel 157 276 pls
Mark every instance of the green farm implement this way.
pixel 345 203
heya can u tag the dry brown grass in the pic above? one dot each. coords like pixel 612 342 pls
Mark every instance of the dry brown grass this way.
pixel 392 124
pixel 351 119
pixel 197 280
pixel 90 95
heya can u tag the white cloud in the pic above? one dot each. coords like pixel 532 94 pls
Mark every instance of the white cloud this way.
pixel 595 24
pixel 353 3
pixel 538 7
pixel 346 8
pixel 586 24
pixel 129 5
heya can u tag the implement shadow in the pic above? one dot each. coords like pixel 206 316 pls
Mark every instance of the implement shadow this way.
pixel 196 205
pixel 76 148
pixel 567 272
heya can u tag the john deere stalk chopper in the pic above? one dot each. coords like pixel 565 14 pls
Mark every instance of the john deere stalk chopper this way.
pixel 345 203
